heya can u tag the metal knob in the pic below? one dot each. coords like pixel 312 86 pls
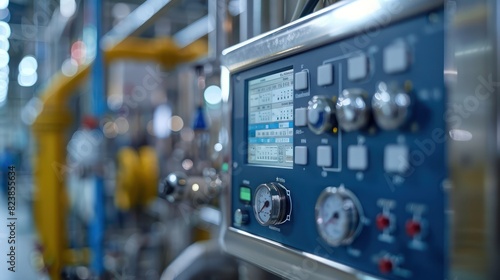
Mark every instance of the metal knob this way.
pixel 172 188
pixel 391 107
pixel 320 114
pixel 352 110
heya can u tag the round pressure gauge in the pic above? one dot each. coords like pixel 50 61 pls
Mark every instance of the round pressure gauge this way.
pixel 338 215
pixel 271 204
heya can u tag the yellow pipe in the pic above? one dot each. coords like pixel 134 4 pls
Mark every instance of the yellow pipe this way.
pixel 50 128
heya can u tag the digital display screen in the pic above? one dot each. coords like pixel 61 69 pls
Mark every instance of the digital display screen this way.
pixel 270 120
pixel 245 194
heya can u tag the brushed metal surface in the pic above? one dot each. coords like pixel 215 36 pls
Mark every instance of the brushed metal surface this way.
pixel 284 261
pixel 350 17
pixel 472 80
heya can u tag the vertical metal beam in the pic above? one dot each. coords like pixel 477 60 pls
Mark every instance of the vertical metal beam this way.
pixel 217 13
pixel 257 18
pixel 252 19
pixel 245 20
pixel 276 14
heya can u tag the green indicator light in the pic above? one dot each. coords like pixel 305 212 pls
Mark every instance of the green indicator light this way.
pixel 225 167
pixel 245 194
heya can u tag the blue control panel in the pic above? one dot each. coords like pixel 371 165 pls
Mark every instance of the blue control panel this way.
pixel 340 151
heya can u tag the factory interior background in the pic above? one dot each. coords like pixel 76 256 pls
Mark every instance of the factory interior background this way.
pixel 249 139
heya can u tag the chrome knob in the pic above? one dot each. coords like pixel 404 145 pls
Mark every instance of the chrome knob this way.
pixel 391 107
pixel 320 114
pixel 352 110
pixel 173 187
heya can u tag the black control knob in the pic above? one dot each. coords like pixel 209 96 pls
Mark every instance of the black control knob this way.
pixel 241 217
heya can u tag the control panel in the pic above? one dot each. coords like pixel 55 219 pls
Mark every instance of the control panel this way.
pixel 339 151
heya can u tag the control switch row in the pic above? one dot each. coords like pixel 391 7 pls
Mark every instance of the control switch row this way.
pixel 396 157
pixel 395 60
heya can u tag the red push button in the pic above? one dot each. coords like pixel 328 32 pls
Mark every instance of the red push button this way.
pixel 413 228
pixel 385 265
pixel 382 221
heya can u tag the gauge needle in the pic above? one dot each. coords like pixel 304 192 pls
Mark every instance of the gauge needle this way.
pixel 264 206
pixel 333 218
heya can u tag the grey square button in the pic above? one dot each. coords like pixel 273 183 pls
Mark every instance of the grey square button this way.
pixel 396 158
pixel 301 155
pixel 301 80
pixel 324 156
pixel 357 157
pixel 301 117
pixel 325 74
pixel 396 58
pixel 357 67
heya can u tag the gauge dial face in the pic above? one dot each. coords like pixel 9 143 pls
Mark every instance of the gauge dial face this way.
pixel 332 218
pixel 263 205
pixel 337 216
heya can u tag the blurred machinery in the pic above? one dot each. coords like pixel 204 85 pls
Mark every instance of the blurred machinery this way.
pixel 353 140
pixel 50 128
pixel 125 232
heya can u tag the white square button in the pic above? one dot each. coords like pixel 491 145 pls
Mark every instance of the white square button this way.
pixel 357 67
pixel 301 117
pixel 357 157
pixel 325 74
pixel 324 156
pixel 395 58
pixel 301 155
pixel 396 158
pixel 301 80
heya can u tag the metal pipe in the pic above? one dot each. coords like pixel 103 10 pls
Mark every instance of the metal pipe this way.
pixel 137 21
pixel 193 32
pixel 98 108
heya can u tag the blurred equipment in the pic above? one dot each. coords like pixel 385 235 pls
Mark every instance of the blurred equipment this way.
pixel 195 190
pixel 137 177
pixel 350 143
pixel 50 127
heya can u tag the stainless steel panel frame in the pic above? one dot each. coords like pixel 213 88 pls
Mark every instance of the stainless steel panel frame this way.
pixel 350 17
pixel 472 79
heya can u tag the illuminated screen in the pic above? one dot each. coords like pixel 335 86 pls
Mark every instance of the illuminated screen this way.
pixel 270 120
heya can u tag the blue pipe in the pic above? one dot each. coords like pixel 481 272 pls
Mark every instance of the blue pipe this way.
pixel 98 107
